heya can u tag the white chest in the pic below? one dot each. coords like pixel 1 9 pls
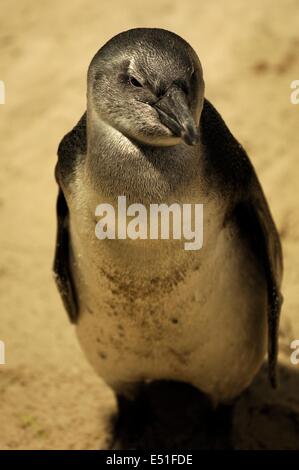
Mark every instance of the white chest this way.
pixel 152 310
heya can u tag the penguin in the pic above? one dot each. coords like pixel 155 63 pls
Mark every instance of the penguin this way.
pixel 148 310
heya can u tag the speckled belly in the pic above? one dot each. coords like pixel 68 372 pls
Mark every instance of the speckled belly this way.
pixel 150 310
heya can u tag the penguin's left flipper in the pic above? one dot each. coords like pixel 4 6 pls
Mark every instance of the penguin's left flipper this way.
pixel 72 149
pixel 255 220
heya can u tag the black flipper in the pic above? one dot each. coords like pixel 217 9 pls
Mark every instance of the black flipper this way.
pixel 71 149
pixel 229 163
pixel 254 219
pixel 62 271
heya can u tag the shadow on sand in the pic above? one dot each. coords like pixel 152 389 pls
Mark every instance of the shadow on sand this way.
pixel 172 415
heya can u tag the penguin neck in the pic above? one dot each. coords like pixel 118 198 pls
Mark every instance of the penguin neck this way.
pixel 102 136
pixel 117 165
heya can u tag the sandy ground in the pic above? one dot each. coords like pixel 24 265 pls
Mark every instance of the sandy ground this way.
pixel 49 396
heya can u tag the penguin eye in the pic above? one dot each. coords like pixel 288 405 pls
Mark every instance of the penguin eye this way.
pixel 134 82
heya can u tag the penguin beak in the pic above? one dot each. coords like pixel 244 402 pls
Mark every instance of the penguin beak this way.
pixel 174 113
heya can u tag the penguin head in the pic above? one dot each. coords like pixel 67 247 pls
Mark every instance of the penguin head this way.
pixel 148 84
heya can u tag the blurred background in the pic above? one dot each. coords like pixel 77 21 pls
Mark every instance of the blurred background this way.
pixel 49 396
